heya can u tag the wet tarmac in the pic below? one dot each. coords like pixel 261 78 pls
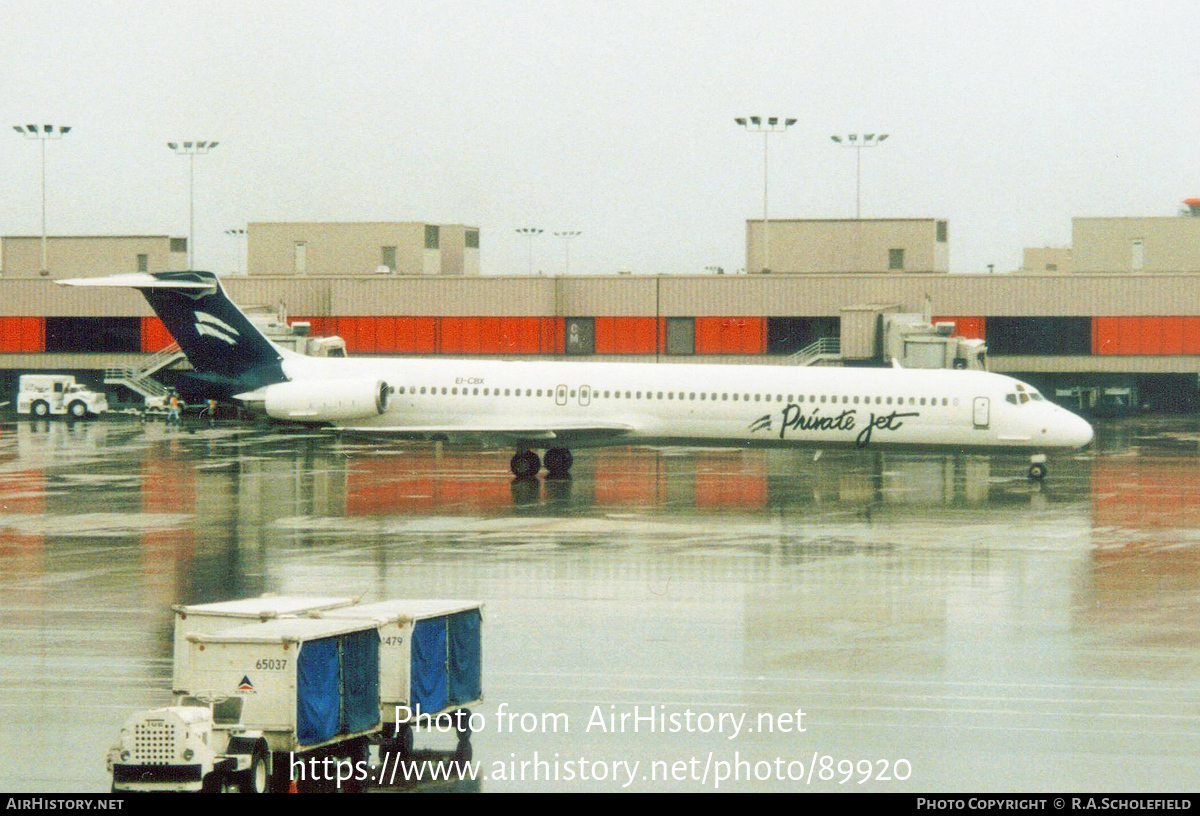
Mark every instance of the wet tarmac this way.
pixel 939 616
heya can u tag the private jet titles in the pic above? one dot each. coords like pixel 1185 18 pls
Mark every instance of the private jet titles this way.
pixel 793 418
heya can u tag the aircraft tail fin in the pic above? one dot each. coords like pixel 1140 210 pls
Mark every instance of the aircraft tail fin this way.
pixel 217 338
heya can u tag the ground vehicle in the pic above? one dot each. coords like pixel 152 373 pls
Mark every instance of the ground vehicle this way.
pixel 279 690
pixel 44 395
pixel 430 660
pixel 198 744
pixel 430 653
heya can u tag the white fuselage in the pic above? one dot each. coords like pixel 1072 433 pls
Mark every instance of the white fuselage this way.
pixel 698 404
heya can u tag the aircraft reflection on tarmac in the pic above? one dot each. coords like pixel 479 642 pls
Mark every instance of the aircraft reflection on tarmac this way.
pixel 329 477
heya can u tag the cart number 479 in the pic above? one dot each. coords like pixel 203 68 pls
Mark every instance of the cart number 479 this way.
pixel 270 664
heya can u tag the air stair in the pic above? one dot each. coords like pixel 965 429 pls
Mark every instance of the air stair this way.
pixel 140 378
pixel 824 350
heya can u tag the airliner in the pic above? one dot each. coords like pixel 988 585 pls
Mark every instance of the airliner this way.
pixel 559 406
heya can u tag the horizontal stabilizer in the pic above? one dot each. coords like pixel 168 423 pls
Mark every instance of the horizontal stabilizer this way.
pixel 141 280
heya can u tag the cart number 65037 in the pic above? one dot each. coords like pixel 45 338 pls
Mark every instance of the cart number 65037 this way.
pixel 270 664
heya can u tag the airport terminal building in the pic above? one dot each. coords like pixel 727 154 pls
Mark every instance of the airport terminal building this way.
pixel 1134 324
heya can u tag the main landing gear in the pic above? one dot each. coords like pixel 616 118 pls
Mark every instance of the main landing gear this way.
pixel 1037 467
pixel 525 464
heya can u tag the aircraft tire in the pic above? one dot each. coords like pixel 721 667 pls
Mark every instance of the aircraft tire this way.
pixel 558 462
pixel 525 465
pixel 1037 472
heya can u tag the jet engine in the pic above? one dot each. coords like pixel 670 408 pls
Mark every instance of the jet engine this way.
pixel 326 400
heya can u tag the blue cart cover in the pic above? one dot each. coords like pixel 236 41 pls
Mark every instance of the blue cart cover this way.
pixel 428 692
pixel 465 656
pixel 318 697
pixel 360 674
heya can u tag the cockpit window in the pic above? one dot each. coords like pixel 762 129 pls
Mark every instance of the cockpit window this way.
pixel 1038 397
pixel 1024 398
pixel 1011 398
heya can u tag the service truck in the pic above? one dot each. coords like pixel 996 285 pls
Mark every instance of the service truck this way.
pixel 264 698
pixel 43 395
pixel 430 666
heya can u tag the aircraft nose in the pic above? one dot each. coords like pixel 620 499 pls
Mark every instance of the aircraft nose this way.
pixel 1081 433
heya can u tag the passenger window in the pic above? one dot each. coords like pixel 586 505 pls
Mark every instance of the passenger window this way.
pixel 422 389
pixel 670 395
pixel 660 393
pixel 735 397
pixel 822 398
pixel 758 397
pixel 724 397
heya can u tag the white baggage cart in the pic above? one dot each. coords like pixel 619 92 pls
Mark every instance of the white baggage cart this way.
pixel 211 617
pixel 430 664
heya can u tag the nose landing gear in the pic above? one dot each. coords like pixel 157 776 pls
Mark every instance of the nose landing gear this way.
pixel 1037 467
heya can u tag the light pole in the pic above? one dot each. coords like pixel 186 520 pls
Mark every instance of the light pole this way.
pixel 852 140
pixel 43 135
pixel 191 150
pixel 567 235
pixel 237 234
pixel 766 126
pixel 530 232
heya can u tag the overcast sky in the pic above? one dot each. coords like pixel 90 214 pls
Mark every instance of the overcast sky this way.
pixel 614 118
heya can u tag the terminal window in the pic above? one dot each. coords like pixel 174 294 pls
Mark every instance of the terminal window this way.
pixel 581 335
pixel 787 335
pixel 895 259
pixel 387 257
pixel 143 263
pixel 942 230
pixel 179 244
pixel 1039 335
pixel 432 236
pixel 91 334
pixel 681 335
pixel 471 239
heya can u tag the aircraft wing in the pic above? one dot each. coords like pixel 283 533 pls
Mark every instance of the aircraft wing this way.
pixel 499 430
